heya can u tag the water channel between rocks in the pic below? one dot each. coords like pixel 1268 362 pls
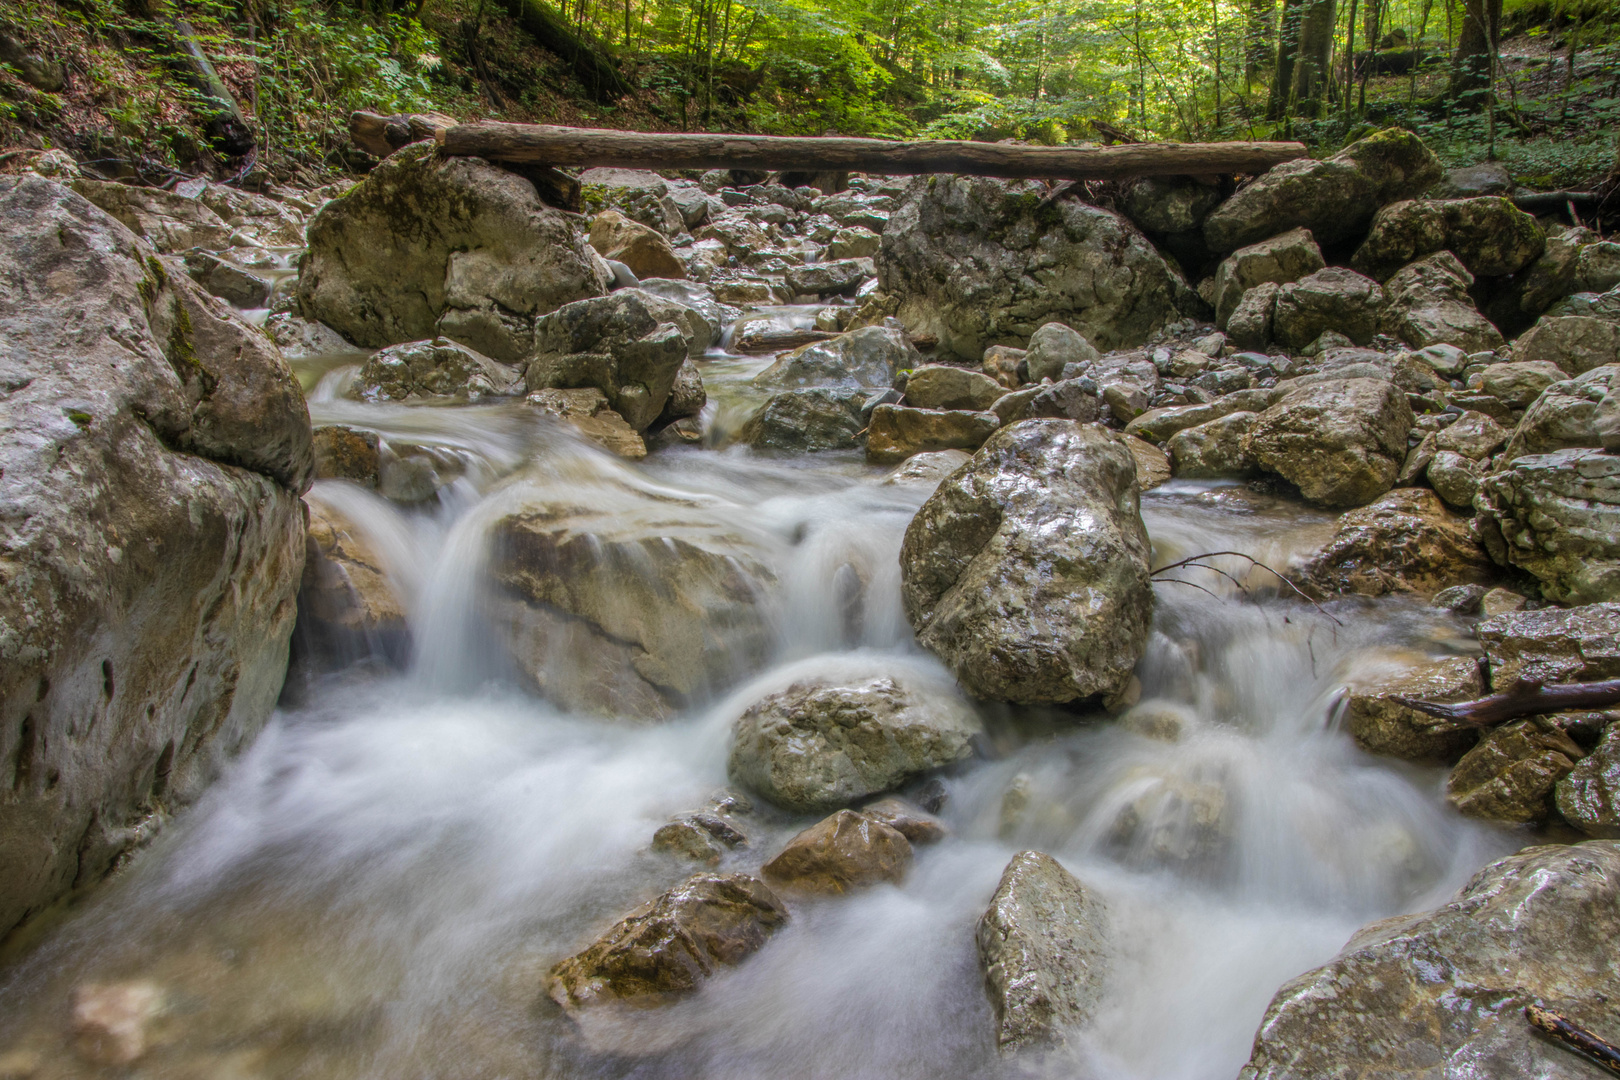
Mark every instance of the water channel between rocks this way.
pixel 379 886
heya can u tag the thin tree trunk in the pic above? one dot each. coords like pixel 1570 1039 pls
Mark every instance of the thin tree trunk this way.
pixel 1282 80
pixel 1472 61
pixel 1316 26
pixel 1350 59
pixel 1259 39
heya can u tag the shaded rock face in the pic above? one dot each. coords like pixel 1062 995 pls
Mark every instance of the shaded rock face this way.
pixel 1576 343
pixel 1026 571
pixel 432 369
pixel 628 614
pixel 843 852
pixel 1341 441
pixel 1589 796
pixel 978 262
pixel 810 420
pixel 1043 946
pixel 1490 235
pixel 347 606
pixel 1428 304
pixel 896 432
pixel 1442 993
pixel 630 344
pixel 1334 299
pixel 1169 204
pixel 153 451
pixel 643 250
pixel 1404 541
pixel 1566 414
pixel 1381 725
pixel 170 223
pixel 1552 645
pixel 1510 775
pixel 815 747
pixel 427 245
pixel 1558 516
pixel 1334 198
pixel 869 357
pixel 669 946
pixel 1277 260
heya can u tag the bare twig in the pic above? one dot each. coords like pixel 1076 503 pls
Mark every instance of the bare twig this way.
pixel 1574 1037
pixel 1254 563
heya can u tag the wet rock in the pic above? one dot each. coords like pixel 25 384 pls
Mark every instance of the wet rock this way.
pixel 1489 235
pixel 854 243
pixel 896 432
pixel 298 338
pixel 974 262
pixel 1278 260
pixel 1428 304
pixel 928 468
pixel 1576 343
pixel 1516 385
pixel 1174 820
pixel 1044 519
pixel 170 223
pixel 1565 415
pixel 429 245
pixel 112 1021
pixel 1333 299
pixel 829 278
pixel 1001 363
pixel 687 397
pixel 1043 946
pixel 698 837
pixel 630 345
pixel 817 746
pixel 670 945
pixel 912 822
pixel 1455 478
pixel 871 357
pixel 1405 541
pixel 432 369
pixel 645 251
pixel 609 611
pixel 1558 516
pixel 1152 464
pixel 939 386
pixel 1216 448
pixel 1589 796
pixel 1510 775
pixel 347 605
pixel 1158 719
pixel 1380 725
pixel 807 421
pixel 1340 440
pixel 1552 645
pixel 1500 601
pixel 1460 599
pixel 155 449
pixel 1473 435
pixel 345 453
pixel 1052 348
pixel 1334 198
pixel 703 312
pixel 1158 425
pixel 1071 399
pixel 587 411
pixel 229 282
pixel 1443 992
pixel 839 853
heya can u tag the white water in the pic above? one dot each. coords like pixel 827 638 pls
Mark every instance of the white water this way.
pixel 379 886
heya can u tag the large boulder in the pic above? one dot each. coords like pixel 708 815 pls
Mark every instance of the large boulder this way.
pixel 808 420
pixel 896 432
pixel 1405 541
pixel 1490 235
pixel 152 451
pixel 1043 946
pixel 1216 448
pixel 1341 441
pixel 643 250
pixel 632 606
pixel 1334 299
pixel 1566 414
pixel 871 357
pixel 1442 993
pixel 432 369
pixel 941 386
pixel 820 745
pixel 1381 725
pixel 1558 517
pixel 667 947
pixel 429 245
pixel 1576 343
pixel 1278 260
pixel 1335 198
pixel 977 262
pixel 1428 304
pixel 1552 645
pixel 630 344
pixel 1027 569
pixel 169 222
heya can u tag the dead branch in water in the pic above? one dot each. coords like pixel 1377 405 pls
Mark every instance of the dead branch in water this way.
pixel 1574 1037
pixel 1195 562
pixel 1525 699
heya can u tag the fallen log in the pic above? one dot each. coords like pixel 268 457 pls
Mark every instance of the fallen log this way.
pixel 1551 202
pixel 222 117
pixel 1575 1037
pixel 380 136
pixel 1525 699
pixel 639 150
pixel 774 340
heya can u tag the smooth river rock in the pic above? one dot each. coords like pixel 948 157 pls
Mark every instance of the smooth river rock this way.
pixel 839 853
pixel 1026 571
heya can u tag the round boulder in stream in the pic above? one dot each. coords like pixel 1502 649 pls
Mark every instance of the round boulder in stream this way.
pixel 1027 569
pixel 817 746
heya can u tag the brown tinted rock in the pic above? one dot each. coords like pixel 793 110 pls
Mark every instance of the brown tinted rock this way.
pixel 643 250
pixel 1341 441
pixel 1510 775
pixel 112 1021
pixel 1405 541
pixel 1214 449
pixel 1442 993
pixel 913 822
pixel 896 432
pixel 669 946
pixel 940 386
pixel 1001 364
pixel 1043 946
pixel 1152 463
pixel 586 410
pixel 843 852
pixel 1382 726
pixel 1552 645
pixel 698 837
pixel 1589 797
pixel 346 453
pixel 346 591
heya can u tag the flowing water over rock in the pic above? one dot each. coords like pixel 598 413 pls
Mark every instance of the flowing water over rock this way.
pixel 381 885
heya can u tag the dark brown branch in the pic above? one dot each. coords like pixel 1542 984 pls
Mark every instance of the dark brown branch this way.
pixel 1575 1037
pixel 1525 699
pixel 1193 560
pixel 639 150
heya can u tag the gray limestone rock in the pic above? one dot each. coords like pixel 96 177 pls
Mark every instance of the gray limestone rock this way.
pixel 1341 441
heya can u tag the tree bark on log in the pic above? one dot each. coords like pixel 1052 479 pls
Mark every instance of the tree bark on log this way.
pixel 1525 699
pixel 1575 1037
pixel 591 64
pixel 636 150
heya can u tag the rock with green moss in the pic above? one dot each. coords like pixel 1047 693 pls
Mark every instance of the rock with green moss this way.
pixel 1490 236
pixel 429 245
pixel 1428 303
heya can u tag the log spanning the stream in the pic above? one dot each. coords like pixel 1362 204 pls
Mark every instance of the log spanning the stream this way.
pixel 554 146
pixel 1525 699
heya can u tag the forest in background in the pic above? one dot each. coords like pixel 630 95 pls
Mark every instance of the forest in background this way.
pixel 1533 83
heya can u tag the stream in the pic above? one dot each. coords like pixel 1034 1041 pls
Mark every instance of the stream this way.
pixel 380 884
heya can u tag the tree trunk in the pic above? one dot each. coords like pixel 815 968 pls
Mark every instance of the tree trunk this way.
pixel 1282 80
pixel 1470 64
pixel 557 146
pixel 590 64
pixel 1259 38
pixel 1315 45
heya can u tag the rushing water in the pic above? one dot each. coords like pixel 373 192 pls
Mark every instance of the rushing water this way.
pixel 379 886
